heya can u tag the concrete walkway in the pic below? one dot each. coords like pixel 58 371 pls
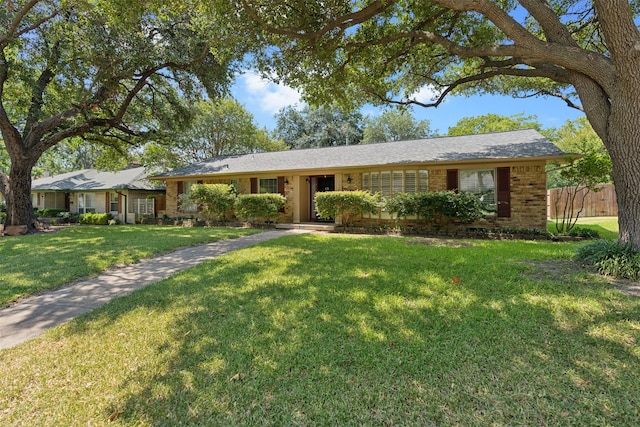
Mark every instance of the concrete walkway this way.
pixel 30 318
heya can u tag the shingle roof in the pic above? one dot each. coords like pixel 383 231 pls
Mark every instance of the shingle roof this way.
pixel 94 180
pixel 504 145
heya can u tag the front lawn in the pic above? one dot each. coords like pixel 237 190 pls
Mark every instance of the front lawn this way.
pixel 349 331
pixel 33 263
pixel 606 226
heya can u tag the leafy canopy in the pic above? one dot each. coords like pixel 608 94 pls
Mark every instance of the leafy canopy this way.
pixel 219 128
pixel 489 123
pixel 325 126
pixel 394 125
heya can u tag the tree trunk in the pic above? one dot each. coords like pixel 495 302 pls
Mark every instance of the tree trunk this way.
pixel 623 144
pixel 19 204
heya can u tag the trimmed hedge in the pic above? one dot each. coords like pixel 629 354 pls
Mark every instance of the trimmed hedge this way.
pixel 346 203
pixel 95 218
pixel 216 200
pixel 259 207
pixel 436 206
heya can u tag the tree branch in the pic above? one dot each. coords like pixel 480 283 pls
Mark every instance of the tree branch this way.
pixel 567 99
pixel 13 32
pixel 341 23
pixel 484 75
pixel 35 140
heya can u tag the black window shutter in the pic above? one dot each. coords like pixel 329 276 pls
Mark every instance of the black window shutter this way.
pixel 452 179
pixel 254 185
pixel 281 185
pixel 503 192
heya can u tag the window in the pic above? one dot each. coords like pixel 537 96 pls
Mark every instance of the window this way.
pixel 113 202
pixel 389 183
pixel 187 206
pixel 481 182
pixel 235 184
pixel 396 186
pixel 86 203
pixel 385 184
pixel 267 185
pixel 423 181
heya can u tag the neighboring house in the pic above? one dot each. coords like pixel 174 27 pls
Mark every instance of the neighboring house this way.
pixel 506 170
pixel 126 194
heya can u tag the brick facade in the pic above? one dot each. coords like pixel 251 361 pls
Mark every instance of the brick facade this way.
pixel 527 189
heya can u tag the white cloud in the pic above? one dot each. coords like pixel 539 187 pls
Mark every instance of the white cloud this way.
pixel 426 94
pixel 268 96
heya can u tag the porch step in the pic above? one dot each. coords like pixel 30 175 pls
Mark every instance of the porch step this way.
pixel 307 226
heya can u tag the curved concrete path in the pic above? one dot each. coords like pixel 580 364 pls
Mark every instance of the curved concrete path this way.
pixel 30 318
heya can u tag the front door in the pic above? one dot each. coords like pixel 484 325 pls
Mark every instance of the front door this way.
pixel 320 184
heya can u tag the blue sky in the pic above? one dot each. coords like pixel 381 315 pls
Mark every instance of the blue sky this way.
pixel 264 99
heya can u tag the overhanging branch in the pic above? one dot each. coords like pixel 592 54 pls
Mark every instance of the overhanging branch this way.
pixel 484 75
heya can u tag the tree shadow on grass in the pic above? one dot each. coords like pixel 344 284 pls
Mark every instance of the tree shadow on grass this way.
pixel 371 331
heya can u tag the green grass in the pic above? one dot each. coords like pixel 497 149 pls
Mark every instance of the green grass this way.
pixel 344 330
pixel 607 226
pixel 31 264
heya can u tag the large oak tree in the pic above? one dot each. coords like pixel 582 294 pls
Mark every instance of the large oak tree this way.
pixel 585 52
pixel 112 72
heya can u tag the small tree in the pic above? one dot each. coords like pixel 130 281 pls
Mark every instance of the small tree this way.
pixel 577 177
pixel 346 203
pixel 581 176
pixel 215 200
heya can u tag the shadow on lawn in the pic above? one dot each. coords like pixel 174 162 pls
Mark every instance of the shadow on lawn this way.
pixel 372 331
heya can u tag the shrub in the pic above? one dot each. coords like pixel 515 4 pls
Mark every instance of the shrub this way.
pixel 95 218
pixel 436 206
pixel 611 258
pixel 216 200
pixel 3 217
pixel 49 212
pixel 256 207
pixel 69 217
pixel 346 203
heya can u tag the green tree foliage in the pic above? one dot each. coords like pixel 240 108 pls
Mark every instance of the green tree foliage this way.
pixel 69 155
pixel 115 73
pixel 219 128
pixel 394 125
pixel 577 137
pixel 578 175
pixel 489 123
pixel 325 126
pixel 582 52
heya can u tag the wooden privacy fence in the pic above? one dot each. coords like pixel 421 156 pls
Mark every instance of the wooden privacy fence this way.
pixel 601 203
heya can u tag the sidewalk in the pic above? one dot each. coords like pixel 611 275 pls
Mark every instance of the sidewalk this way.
pixel 30 318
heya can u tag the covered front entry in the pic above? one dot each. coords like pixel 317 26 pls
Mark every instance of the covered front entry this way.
pixel 320 184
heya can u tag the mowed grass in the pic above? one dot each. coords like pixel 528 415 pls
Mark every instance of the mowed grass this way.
pixel 31 264
pixel 606 226
pixel 320 330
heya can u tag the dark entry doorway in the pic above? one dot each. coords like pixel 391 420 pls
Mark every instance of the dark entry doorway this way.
pixel 320 184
